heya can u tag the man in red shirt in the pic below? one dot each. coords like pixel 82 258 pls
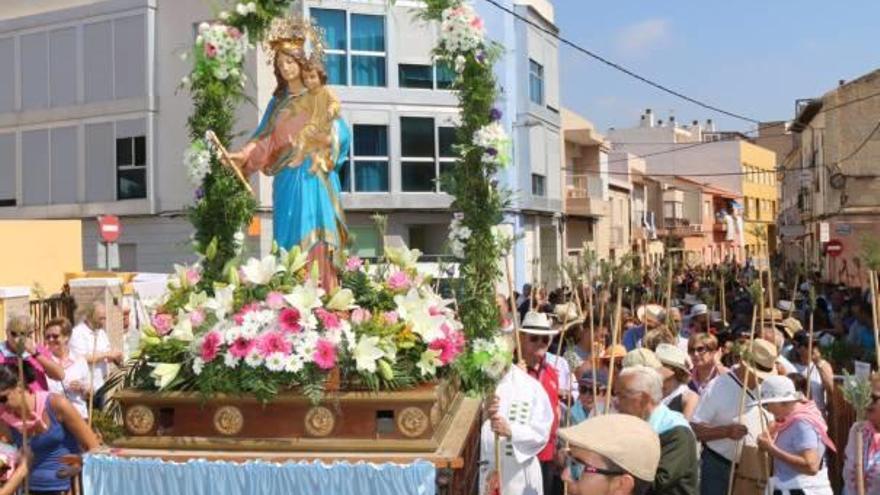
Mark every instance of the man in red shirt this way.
pixel 535 339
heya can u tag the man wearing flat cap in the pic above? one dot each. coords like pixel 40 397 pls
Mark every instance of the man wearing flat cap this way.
pixel 613 454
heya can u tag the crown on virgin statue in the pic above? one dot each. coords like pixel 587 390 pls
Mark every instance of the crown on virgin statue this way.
pixel 297 37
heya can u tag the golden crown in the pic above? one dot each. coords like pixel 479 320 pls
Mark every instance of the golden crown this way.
pixel 297 37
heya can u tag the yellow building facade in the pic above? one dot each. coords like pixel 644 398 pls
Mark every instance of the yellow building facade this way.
pixel 760 200
pixel 39 252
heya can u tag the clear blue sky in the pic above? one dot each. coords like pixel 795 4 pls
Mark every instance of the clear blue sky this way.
pixel 753 57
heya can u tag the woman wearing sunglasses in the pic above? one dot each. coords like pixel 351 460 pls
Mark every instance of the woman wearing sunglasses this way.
pixel 20 343
pixel 75 385
pixel 613 454
pixel 703 351
pixel 53 426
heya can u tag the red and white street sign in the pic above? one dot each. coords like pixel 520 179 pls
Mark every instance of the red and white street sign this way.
pixel 109 227
pixel 834 248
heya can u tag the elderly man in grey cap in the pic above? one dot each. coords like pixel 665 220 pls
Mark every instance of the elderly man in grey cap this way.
pixel 613 454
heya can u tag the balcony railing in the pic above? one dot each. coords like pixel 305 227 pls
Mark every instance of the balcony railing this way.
pixel 583 196
pixel 681 227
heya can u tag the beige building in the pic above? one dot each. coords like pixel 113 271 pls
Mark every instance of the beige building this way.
pixel 832 180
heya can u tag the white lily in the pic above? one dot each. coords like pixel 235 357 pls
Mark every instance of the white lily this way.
pixel 297 259
pixel 164 373
pixel 179 279
pixel 196 300
pixel 305 297
pixel 402 256
pixel 222 302
pixel 260 272
pixel 366 353
pixel 426 326
pixel 429 361
pixel 183 330
pixel 342 300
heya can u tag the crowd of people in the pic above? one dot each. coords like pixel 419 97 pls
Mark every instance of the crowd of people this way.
pixel 47 392
pixel 702 391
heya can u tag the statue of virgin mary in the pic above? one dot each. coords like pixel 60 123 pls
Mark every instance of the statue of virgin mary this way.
pixel 301 141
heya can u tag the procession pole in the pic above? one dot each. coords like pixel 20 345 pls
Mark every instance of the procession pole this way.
pixel 498 463
pixel 23 410
pixel 860 462
pixel 514 311
pixel 810 343
pixel 873 275
pixel 668 290
pixel 742 405
pixel 614 334
pixel 723 299
pixel 592 341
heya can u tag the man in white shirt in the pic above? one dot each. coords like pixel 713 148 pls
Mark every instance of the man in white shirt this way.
pixel 717 421
pixel 90 340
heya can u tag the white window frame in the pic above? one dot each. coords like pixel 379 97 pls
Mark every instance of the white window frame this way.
pixel 348 53
pixel 437 160
pixel 434 72
pixel 352 158
pixel 543 185
pixel 124 168
pixel 540 76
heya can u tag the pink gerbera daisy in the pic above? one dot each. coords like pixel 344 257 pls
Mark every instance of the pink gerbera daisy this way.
pixel 271 342
pixel 325 354
pixel 241 347
pixel 210 346
pixel 289 320
pixel 247 308
pixel 330 320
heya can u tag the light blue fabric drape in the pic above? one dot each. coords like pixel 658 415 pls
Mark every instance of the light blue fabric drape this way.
pixel 108 475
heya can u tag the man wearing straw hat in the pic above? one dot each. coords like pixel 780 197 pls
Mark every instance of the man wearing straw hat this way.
pixel 723 417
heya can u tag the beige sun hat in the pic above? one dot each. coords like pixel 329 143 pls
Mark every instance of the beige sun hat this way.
pixel 624 440
pixel 761 358
pixel 566 312
pixel 674 357
pixel 651 313
pixel 643 357
pixel 537 323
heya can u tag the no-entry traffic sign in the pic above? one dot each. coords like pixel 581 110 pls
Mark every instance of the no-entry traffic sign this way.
pixel 109 227
pixel 834 248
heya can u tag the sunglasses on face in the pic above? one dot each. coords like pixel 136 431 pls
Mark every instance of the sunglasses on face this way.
pixel 577 468
pixel 699 350
pixel 52 336
pixel 20 335
pixel 544 339
pixel 587 389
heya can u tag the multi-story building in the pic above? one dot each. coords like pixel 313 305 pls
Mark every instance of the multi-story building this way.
pixel 729 161
pixel 832 179
pixel 92 121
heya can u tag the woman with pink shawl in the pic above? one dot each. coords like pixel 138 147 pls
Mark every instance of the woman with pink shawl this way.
pixel 797 440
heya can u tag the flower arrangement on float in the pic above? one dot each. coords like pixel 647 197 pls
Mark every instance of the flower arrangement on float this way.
pixel 270 327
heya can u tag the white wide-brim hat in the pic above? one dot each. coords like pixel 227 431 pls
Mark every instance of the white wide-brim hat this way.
pixel 536 323
pixel 775 389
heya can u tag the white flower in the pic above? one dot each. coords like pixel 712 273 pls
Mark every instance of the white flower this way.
pixel 260 272
pixel 366 353
pixel 461 30
pixel 198 365
pixel 223 15
pixel 197 160
pixel 222 302
pixel 293 364
pixel 494 141
pixel 305 297
pixel 342 300
pixel 460 63
pixel 242 9
pixel 276 360
pixel 252 7
pixel 402 256
pixel 183 329
pixel 221 73
pixel 164 373
pixel 415 310
pixel 185 81
pixel 253 359
pixel 203 27
pixel 200 39
pixel 428 362
pixel 229 360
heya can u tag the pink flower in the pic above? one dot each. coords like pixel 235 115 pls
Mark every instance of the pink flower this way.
pixel 325 354
pixel 354 264
pixel 450 346
pixel 241 347
pixel 391 317
pixel 247 308
pixel 197 317
pixel 330 320
pixel 477 23
pixel 193 276
pixel 274 300
pixel 163 323
pixel 435 311
pixel 398 281
pixel 234 32
pixel 210 50
pixel 360 315
pixel 271 342
pixel 289 319
pixel 210 346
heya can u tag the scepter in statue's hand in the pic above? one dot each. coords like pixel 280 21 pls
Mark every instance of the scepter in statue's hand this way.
pixel 228 159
